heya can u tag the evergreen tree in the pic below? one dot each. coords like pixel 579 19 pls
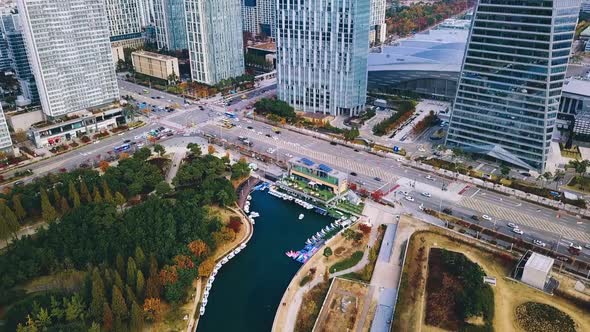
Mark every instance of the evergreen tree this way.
pixel 153 288
pixel 130 295
pixel 84 192
pixel 94 327
pixel 74 196
pixel 118 280
pixel 153 266
pixel 96 196
pixel 140 259
pixel 136 318
pixel 139 285
pixel 56 196
pixel 120 311
pixel 8 222
pixel 107 317
pixel 64 206
pixel 131 271
pixel 98 296
pixel 119 199
pixel 120 264
pixel 19 210
pixel 43 319
pixel 108 195
pixel 47 210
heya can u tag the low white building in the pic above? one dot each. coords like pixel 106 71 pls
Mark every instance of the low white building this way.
pixel 537 270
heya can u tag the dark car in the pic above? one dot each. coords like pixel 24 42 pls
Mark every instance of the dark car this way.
pixel 447 211
pixel 333 143
pixel 356 150
pixel 249 127
pixel 127 141
pixel 267 135
pixel 353 173
pixel 377 179
pixel 474 217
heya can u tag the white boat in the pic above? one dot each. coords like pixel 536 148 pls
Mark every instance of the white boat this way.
pixel 231 255
pixel 218 265
pixel 224 260
pixel 237 251
pixel 211 279
pixel 243 245
pixel 353 218
pixel 252 220
pixel 206 294
pixel 301 216
pixel 249 197
pixel 202 310
pixel 208 287
pixel 204 302
pixel 246 209
pixel 308 241
pixel 254 214
pixel 214 273
pixel 318 234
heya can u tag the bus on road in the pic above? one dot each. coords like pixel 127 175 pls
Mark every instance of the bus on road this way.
pixel 123 147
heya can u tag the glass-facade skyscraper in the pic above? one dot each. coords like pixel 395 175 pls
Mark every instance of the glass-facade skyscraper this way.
pixel 170 24
pixel 511 80
pixel 322 49
pixel 215 43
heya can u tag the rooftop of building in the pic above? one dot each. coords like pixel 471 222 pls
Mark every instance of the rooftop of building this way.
pixel 577 87
pixel 310 164
pixel 433 50
pixel 539 262
pixel 268 46
pixel 154 55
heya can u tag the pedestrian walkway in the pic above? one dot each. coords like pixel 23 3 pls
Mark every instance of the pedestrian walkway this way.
pixel 520 218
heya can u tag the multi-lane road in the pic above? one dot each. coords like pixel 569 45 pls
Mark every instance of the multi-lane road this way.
pixel 366 170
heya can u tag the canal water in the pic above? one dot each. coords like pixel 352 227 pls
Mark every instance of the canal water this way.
pixel 248 289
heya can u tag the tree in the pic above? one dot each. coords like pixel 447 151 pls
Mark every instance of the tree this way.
pixel 8 222
pixel 64 207
pixel 118 305
pixel 94 327
pixel 42 319
pixel 152 307
pixel 210 149
pixel 131 271
pixel 103 165
pixel 74 196
pixel 139 284
pixel 328 252
pixel 153 288
pixel 140 258
pixel 546 177
pixel 504 170
pixel 580 166
pixel 163 188
pixel 19 210
pixel 108 196
pixel 56 196
pixel 98 297
pixel 119 199
pixel 96 195
pixel 195 149
pixel 107 317
pixel 557 177
pixel 142 154
pixel 159 149
pixel 74 308
pixel 198 248
pixel 47 210
pixel 120 264
pixel 136 317
pixel 84 192
pixel 351 135
pixel 240 170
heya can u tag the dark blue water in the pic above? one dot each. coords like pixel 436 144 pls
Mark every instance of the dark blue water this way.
pixel 247 290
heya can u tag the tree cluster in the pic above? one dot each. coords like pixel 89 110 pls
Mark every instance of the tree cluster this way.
pixel 404 111
pixel 279 108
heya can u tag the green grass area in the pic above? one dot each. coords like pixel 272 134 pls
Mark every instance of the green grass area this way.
pixel 323 193
pixel 347 206
pixel 367 272
pixel 573 152
pixel 305 280
pixel 347 263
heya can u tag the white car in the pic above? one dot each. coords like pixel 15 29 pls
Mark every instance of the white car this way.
pixel 517 231
pixel 422 150
pixel 409 198
pixel 512 225
pixel 539 243
pixel 429 177
pixel 577 247
pixel 138 137
pixel 425 194
pixel 421 207
pixel 259 133
pixel 486 217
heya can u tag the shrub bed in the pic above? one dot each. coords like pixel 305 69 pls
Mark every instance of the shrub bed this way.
pixel 348 262
pixel 540 317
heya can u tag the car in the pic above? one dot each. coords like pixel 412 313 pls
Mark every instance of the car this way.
pixel 259 133
pixel 405 193
pixel 95 142
pixel 19 183
pixel 512 225
pixel 563 258
pixel 517 231
pixel 486 217
pixel 421 207
pixel 333 143
pixel 250 127
pixel 138 137
pixel 268 135
pixel 378 179
pixel 575 246
pixel 429 177
pixel 409 198
pixel 127 141
pixel 474 217
pixel 447 211
pixel 539 243
pixel 353 173
pixel 169 100
pixel 356 150
pixel 425 194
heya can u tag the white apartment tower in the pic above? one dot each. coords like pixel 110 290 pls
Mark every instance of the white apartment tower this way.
pixel 70 53
pixel 322 49
pixel 124 20
pixel 259 17
pixel 215 42
pixel 5 141
pixel 378 28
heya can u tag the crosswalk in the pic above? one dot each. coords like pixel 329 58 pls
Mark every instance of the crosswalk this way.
pixel 337 161
pixel 520 218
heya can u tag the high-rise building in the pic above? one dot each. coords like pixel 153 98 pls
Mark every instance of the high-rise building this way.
pixel 322 49
pixel 125 22
pixel 259 17
pixel 215 41
pixel 170 24
pixel 70 53
pixel 511 80
pixel 378 28
pixel 17 52
pixel 5 140
pixel 146 12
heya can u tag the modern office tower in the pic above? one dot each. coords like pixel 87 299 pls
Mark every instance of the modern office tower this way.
pixel 322 49
pixel 5 141
pixel 17 52
pixel 146 12
pixel 215 41
pixel 70 53
pixel 125 22
pixel 511 81
pixel 170 24
pixel 378 28
pixel 259 17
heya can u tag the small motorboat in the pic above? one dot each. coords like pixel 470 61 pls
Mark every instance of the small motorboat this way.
pixel 237 251
pixel 249 197
pixel 224 260
pixel 231 255
pixel 214 273
pixel 202 310
pixel 301 216
pixel 243 245
pixel 308 241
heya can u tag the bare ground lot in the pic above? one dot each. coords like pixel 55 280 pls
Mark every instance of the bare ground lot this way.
pixel 342 307
pixel 508 294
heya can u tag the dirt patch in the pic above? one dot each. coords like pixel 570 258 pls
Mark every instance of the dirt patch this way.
pixel 339 251
pixel 508 294
pixel 342 307
pixel 540 317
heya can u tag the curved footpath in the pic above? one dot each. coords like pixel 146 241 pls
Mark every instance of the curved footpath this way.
pixel 244 189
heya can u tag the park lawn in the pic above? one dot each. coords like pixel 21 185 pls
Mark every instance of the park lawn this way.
pixel 347 263
pixel 367 272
